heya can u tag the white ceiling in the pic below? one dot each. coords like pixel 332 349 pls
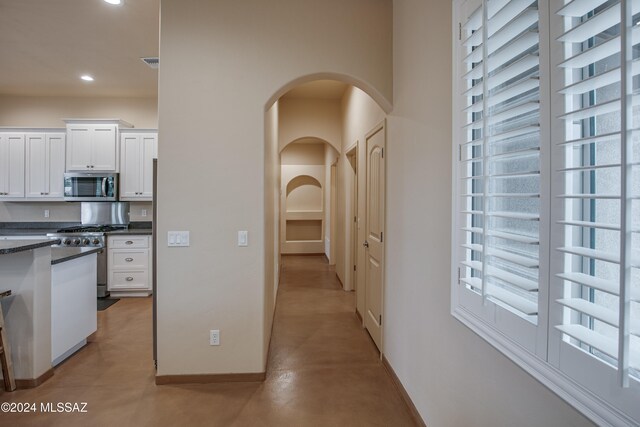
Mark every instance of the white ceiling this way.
pixel 45 46
pixel 318 89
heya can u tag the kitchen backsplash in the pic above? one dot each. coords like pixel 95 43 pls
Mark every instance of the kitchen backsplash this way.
pixel 61 211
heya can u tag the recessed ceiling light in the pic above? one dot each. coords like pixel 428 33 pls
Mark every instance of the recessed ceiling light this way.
pixel 86 78
pixel 113 1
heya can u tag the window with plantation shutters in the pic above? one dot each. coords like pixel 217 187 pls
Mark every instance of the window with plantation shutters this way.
pixel 546 175
pixel 499 166
pixel 595 291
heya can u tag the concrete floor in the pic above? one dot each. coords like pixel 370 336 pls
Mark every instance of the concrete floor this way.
pixel 323 370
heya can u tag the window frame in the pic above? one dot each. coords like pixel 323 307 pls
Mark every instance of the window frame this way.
pixel 487 319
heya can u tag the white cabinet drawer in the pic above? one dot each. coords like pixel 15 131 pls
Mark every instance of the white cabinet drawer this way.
pixel 129 280
pixel 130 260
pixel 126 242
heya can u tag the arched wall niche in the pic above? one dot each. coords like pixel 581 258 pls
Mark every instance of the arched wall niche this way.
pixel 301 180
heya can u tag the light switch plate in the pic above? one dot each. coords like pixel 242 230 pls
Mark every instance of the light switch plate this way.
pixel 243 238
pixel 178 238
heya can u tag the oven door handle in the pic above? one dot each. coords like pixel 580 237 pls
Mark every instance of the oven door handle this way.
pixel 104 187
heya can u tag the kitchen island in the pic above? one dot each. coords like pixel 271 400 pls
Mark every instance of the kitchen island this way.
pixel 26 268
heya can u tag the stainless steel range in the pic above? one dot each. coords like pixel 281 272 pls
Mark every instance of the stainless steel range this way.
pixel 97 218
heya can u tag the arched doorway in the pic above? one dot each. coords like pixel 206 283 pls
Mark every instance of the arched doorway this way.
pixel 340 114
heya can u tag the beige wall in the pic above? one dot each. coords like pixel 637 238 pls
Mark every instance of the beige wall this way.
pixel 453 376
pixel 304 118
pixel 305 197
pixel 298 153
pixel 60 211
pixel 360 113
pixel 34 211
pixel 34 111
pixel 222 62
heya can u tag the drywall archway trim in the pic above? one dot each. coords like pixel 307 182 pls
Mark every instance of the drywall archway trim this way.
pixel 369 89
pixel 332 145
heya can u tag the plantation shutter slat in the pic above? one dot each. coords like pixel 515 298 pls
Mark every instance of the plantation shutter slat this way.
pixel 578 8
pixel 597 24
pixel 515 301
pixel 518 67
pixel 513 279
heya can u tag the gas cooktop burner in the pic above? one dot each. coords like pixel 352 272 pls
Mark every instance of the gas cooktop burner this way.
pixel 90 229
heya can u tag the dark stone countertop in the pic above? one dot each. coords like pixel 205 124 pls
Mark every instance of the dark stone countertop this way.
pixel 62 254
pixel 14 246
pixel 26 231
pixel 42 228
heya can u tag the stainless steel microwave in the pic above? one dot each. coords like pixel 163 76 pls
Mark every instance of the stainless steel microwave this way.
pixel 91 187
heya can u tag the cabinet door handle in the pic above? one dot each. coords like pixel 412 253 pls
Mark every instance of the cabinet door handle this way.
pixel 129 279
pixel 128 259
pixel 128 242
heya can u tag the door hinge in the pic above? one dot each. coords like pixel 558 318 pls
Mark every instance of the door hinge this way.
pixel 380 320
pixel 460 31
pixel 354 267
pixel 381 236
pixel 382 153
pixel 458 275
pixel 459 153
pixel 355 219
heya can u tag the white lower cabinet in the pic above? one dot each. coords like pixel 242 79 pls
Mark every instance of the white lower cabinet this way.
pixel 129 265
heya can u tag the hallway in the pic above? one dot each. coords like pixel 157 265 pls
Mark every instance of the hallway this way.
pixel 323 370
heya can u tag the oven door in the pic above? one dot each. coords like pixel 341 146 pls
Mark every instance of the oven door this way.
pixel 79 187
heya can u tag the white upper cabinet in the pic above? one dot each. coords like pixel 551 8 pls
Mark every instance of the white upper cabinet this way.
pixel 12 154
pixel 45 165
pixel 92 145
pixel 138 149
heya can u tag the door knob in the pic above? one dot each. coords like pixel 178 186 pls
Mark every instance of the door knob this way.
pixel 365 244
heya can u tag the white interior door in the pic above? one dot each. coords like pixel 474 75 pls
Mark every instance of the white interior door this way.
pixel 374 232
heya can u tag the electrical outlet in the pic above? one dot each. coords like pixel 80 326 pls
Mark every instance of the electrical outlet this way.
pixel 143 212
pixel 214 337
pixel 46 213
